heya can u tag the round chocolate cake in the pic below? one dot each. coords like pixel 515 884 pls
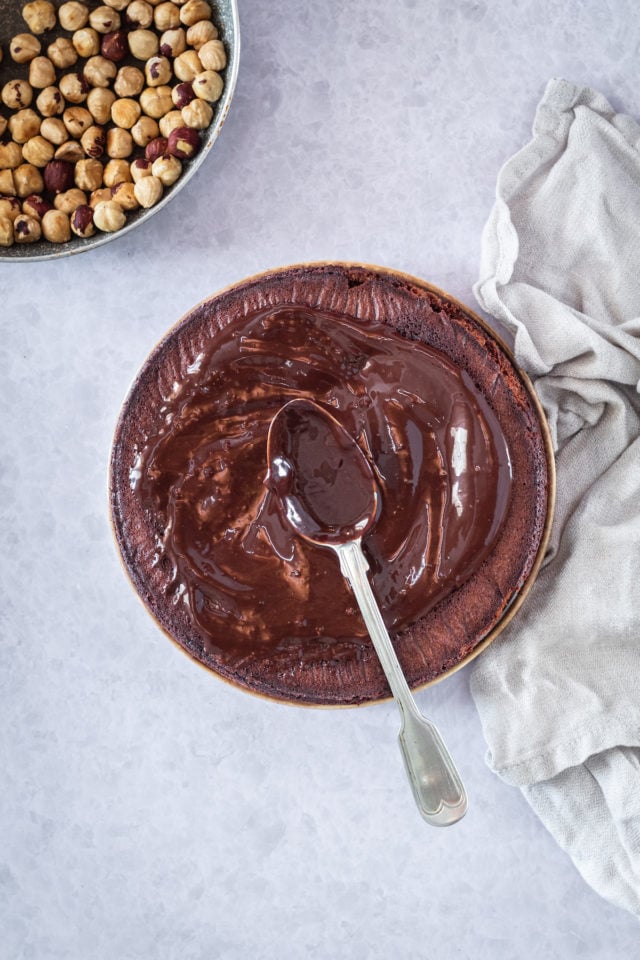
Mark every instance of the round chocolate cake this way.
pixel 452 432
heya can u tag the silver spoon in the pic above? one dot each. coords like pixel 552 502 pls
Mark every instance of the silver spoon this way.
pixel 328 493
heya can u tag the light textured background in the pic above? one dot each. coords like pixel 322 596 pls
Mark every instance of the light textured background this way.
pixel 148 810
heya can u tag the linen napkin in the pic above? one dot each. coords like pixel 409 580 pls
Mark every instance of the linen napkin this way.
pixel 559 691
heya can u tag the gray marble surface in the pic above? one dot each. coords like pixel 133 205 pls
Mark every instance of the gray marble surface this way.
pixel 148 810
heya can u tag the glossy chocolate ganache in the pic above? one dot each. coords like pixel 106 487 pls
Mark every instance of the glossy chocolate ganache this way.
pixel 437 451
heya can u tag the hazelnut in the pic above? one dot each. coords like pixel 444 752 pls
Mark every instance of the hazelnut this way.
pixel 7 186
pixel 125 112
pixel 10 207
pixel 38 151
pixel 24 47
pixel 148 191
pixel 187 66
pixel 171 120
pixel 3 124
pixel 116 171
pixel 17 94
pixel 156 101
pixel 139 14
pixel 182 94
pixel 70 200
pixel 50 102
pixel 156 148
pixel 82 221
pixel 144 130
pixel 129 82
pixel 99 72
pixel 27 179
pixel 198 114
pixel 184 143
pixel 93 142
pixel 193 11
pixel 119 143
pixel 157 71
pixel 10 155
pixel 36 206
pixel 86 42
pixel 124 195
pixel 140 168
pixel 73 15
pixel 200 33
pixel 54 130
pixel 40 16
pixel 23 125
pixel 42 73
pixel 77 120
pixel 74 87
pixel 108 216
pixel 88 174
pixel 99 196
pixel 58 176
pixel 70 152
pixel 212 55
pixel 208 85
pixel 166 16
pixel 55 226
pixel 62 53
pixel 117 4
pixel 104 19
pixel 114 46
pixel 26 229
pixel 143 44
pixel 173 43
pixel 99 104
pixel 167 170
pixel 6 232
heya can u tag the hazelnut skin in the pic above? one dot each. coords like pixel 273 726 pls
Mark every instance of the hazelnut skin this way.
pixel 40 16
pixel 193 11
pixel 157 71
pixel 116 171
pixel 200 33
pixel 50 102
pixel 36 206
pixel 82 221
pixel 124 195
pixel 109 216
pixel 139 14
pixel 23 125
pixel 27 179
pixel 93 142
pixel 212 55
pixel 58 176
pixel 42 73
pixel 70 200
pixel 173 43
pixel 104 19
pixel 55 226
pixel 17 94
pixel 86 42
pixel 208 85
pixel 10 155
pixel 99 104
pixel 148 191
pixel 125 112
pixel 24 47
pixel 6 232
pixel 198 114
pixel 140 168
pixel 73 15
pixel 143 44
pixel 156 148
pixel 182 94
pixel 62 53
pixel 119 143
pixel 54 131
pixel 145 130
pixel 74 87
pixel 167 170
pixel 10 207
pixel 184 143
pixel 114 46
pixel 38 151
pixel 88 174
pixel 26 229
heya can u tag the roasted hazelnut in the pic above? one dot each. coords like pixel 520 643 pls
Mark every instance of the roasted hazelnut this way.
pixel 70 152
pixel 77 120
pixel 73 15
pixel 116 171
pixel 24 47
pixel 99 196
pixel 7 185
pixel 10 207
pixel 156 148
pixel 139 14
pixel 55 226
pixel 156 101
pixel 17 94
pixel 40 16
pixel 36 206
pixel 108 216
pixel 171 120
pixel 104 19
pixel 27 179
pixel 23 125
pixel 208 85
pixel 140 168
pixel 10 155
pixel 70 200
pixel 166 16
pixel 182 94
pixel 74 87
pixel 173 43
pixel 62 53
pixel 82 221
pixel 213 55
pixel 129 82
pixel 184 143
pixel 38 151
pixel 86 42
pixel 54 130
pixel 42 73
pixel 167 170
pixel 143 44
pixel 193 11
pixel 50 102
pixel 3 124
pixel 157 71
pixel 6 232
pixel 88 174
pixel 148 191
pixel 187 66
pixel 99 72
pixel 58 176
pixel 93 142
pixel 145 130
pixel 200 33
pixel 26 229
pixel 198 114
pixel 99 104
pixel 114 46
pixel 125 196
pixel 119 143
pixel 117 4
pixel 125 112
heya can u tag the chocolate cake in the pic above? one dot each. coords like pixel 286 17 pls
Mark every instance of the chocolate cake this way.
pixel 451 429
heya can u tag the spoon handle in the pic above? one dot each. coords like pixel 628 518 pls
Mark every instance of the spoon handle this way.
pixel 436 784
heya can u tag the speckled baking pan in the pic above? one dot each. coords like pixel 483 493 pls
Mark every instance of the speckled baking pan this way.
pixel 225 16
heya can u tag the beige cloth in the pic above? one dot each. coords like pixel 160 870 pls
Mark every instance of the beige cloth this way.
pixel 559 692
